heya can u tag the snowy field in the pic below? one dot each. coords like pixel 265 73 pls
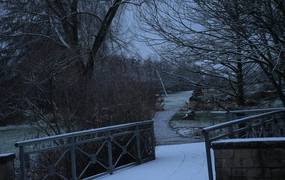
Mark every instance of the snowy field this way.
pixel 173 162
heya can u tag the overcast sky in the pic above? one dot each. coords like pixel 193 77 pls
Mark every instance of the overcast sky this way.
pixel 133 32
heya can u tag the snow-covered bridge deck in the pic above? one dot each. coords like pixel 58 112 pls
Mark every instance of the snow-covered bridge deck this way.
pixel 173 162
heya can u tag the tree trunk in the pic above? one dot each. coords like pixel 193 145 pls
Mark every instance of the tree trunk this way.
pixel 101 35
pixel 240 100
pixel 278 86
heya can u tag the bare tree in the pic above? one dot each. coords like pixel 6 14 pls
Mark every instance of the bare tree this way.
pixel 260 25
pixel 52 48
pixel 224 36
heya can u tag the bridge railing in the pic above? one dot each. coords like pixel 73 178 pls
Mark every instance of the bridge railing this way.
pixel 269 124
pixel 86 154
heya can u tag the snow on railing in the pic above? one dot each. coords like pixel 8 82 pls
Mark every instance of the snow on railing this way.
pixel 269 124
pixel 88 153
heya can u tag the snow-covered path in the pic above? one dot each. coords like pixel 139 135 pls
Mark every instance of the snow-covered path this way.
pixel 172 104
pixel 173 162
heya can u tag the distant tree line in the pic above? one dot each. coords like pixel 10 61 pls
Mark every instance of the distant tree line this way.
pixel 231 44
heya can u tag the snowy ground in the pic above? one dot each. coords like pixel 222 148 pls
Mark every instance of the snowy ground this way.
pixel 164 134
pixel 9 135
pixel 173 162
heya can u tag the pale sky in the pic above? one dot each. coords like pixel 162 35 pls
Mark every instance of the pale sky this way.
pixel 133 32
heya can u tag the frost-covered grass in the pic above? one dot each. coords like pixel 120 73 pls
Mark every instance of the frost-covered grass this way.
pixel 173 162
pixel 176 100
pixel 9 135
pixel 240 140
pixel 201 119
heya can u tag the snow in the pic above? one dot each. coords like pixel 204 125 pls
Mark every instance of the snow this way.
pixel 269 139
pixel 172 104
pixel 176 100
pixel 9 135
pixel 6 154
pixel 241 111
pixel 173 162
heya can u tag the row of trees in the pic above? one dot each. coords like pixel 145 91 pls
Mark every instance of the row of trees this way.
pixel 234 42
pixel 58 60
pixel 58 67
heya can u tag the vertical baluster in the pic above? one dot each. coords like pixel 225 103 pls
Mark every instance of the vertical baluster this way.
pixel 110 154
pixel 281 131
pixel 208 154
pixel 274 127
pixel 249 129
pixel 138 142
pixel 153 141
pixel 73 158
pixel 22 162
pixel 242 134
pixel 281 124
pixel 231 132
pixel 262 126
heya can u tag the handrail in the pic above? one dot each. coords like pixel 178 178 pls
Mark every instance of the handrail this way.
pixel 243 110
pixel 232 131
pixel 122 145
pixel 241 120
pixel 83 132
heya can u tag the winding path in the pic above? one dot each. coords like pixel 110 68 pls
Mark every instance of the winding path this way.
pixel 173 162
pixel 163 132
